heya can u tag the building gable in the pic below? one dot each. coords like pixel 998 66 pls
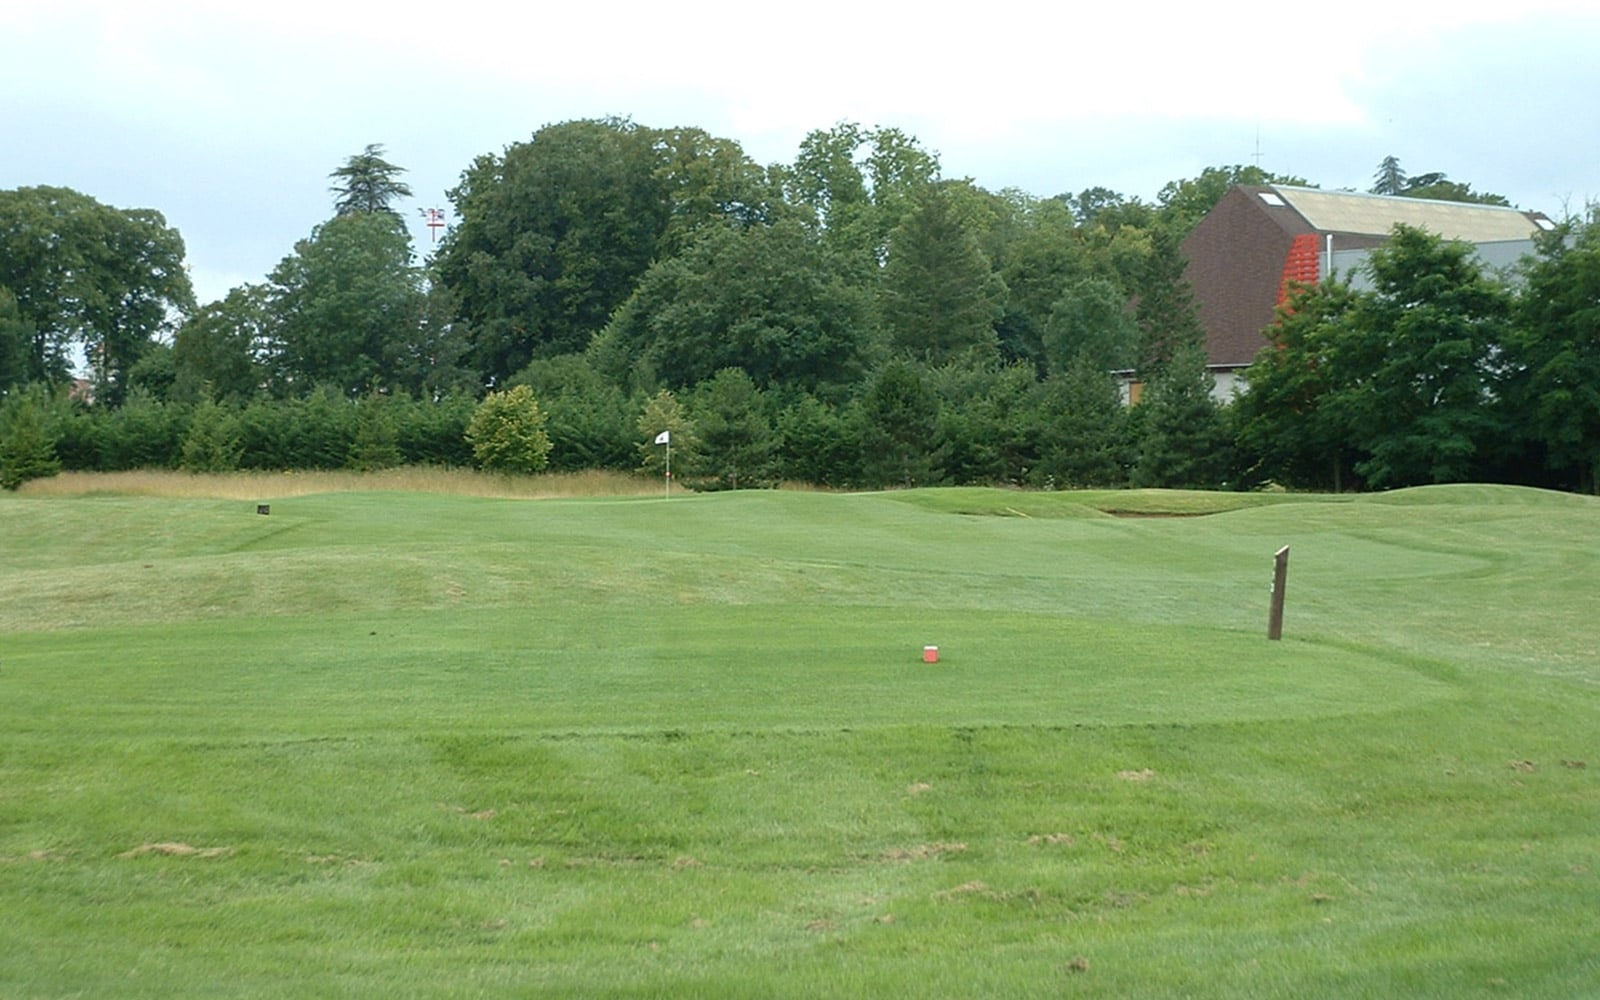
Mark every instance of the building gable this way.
pixel 1257 238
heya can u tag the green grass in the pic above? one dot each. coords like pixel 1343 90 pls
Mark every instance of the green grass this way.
pixel 413 745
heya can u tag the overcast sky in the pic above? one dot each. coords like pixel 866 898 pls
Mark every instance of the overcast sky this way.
pixel 228 117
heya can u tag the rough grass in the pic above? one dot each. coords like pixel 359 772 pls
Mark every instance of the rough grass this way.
pixel 269 485
pixel 409 744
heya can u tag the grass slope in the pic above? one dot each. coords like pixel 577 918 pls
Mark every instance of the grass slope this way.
pixel 404 744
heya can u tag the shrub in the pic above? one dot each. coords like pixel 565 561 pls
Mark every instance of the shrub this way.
pixel 507 432
pixel 26 448
pixel 213 442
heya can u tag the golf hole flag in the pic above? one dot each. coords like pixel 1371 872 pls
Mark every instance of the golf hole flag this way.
pixel 664 437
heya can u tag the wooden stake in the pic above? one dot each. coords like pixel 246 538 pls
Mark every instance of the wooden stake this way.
pixel 1280 577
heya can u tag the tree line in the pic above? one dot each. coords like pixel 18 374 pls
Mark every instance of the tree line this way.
pixel 852 318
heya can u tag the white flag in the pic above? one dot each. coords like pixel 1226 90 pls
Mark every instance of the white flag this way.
pixel 664 437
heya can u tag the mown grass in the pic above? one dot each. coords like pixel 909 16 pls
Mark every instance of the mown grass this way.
pixel 411 744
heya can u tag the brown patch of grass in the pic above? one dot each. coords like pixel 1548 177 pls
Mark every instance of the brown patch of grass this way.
pixel 918 788
pixel 922 852
pixel 1143 775
pixel 965 889
pixel 172 849
pixel 1078 964
pixel 1052 839
pixel 1525 766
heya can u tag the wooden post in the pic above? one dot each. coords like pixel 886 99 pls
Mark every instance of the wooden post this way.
pixel 1280 576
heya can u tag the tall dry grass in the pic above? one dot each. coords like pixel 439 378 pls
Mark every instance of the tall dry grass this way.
pixel 271 485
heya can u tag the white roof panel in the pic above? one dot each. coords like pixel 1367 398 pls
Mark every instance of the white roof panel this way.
pixel 1376 215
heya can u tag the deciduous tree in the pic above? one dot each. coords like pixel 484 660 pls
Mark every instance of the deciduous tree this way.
pixel 220 352
pixel 108 281
pixel 767 299
pixel 1557 350
pixel 1426 341
pixel 343 302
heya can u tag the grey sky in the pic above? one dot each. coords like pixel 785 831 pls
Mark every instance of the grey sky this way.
pixel 228 117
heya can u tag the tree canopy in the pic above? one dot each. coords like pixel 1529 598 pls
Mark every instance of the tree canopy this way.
pixel 367 183
pixel 84 275
pixel 849 318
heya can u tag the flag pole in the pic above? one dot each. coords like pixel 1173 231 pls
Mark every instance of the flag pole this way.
pixel 665 437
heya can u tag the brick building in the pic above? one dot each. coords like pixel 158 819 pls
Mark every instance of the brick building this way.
pixel 1244 253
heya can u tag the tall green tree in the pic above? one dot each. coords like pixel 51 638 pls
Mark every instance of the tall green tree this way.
pixel 220 351
pixel 1427 342
pixel 1082 429
pixel 709 181
pixel 1185 440
pixel 767 299
pixel 1390 178
pixel 1091 320
pixel 345 303
pixel 367 183
pixel 737 440
pixel 940 297
pixel 555 233
pixel 856 184
pixel 897 423
pixel 1048 253
pixel 104 280
pixel 1165 314
pixel 16 339
pixel 1557 351
pixel 1292 426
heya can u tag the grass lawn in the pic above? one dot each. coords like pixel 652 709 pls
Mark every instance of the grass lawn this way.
pixel 408 744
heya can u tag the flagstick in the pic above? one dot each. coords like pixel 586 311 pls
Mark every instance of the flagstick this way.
pixel 669 470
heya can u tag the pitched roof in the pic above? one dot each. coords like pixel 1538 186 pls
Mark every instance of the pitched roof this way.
pixel 1377 215
pixel 1241 253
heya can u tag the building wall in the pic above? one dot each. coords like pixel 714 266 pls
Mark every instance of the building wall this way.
pixel 1235 258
